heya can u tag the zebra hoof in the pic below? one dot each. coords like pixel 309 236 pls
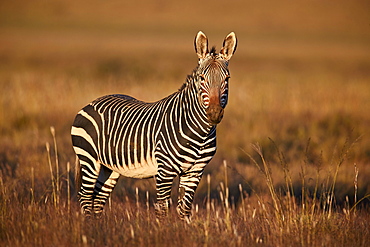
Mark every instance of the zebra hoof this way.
pixel 182 216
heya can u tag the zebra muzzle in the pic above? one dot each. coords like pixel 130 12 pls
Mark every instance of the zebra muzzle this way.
pixel 215 114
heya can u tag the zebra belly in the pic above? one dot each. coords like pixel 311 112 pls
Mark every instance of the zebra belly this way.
pixel 144 169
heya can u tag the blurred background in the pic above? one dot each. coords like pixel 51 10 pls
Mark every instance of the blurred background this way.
pixel 300 76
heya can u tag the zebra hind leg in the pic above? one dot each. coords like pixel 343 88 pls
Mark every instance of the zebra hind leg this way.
pixel 104 186
pixel 89 171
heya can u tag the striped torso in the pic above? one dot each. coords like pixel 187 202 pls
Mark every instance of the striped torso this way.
pixel 130 136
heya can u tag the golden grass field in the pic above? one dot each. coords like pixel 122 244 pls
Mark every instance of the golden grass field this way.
pixel 293 157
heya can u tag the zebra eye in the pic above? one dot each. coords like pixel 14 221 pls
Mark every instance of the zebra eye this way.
pixel 225 83
pixel 202 78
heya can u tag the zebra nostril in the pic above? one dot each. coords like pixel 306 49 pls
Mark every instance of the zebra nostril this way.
pixel 215 114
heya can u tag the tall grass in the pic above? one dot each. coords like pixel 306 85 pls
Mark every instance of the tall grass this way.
pixel 278 218
pixel 319 200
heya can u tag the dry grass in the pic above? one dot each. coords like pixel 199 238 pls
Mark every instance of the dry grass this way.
pixel 47 215
pixel 300 88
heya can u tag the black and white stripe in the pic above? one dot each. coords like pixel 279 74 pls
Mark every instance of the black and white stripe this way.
pixel 118 135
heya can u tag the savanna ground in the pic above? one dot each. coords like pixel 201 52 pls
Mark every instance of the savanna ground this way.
pixel 293 157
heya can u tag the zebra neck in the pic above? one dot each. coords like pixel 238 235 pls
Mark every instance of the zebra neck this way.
pixel 192 110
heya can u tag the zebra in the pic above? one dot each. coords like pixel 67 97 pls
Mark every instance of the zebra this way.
pixel 176 136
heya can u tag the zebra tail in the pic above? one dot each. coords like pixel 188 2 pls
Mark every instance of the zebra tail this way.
pixel 78 180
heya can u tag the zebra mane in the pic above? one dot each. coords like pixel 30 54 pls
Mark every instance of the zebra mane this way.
pixel 213 51
pixel 192 77
pixel 189 79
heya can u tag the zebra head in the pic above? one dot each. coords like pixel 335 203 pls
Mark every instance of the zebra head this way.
pixel 213 75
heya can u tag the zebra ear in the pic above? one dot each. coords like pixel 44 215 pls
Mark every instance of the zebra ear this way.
pixel 229 46
pixel 201 45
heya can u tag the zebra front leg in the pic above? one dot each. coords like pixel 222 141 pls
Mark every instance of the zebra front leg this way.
pixel 104 186
pixel 188 184
pixel 164 181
